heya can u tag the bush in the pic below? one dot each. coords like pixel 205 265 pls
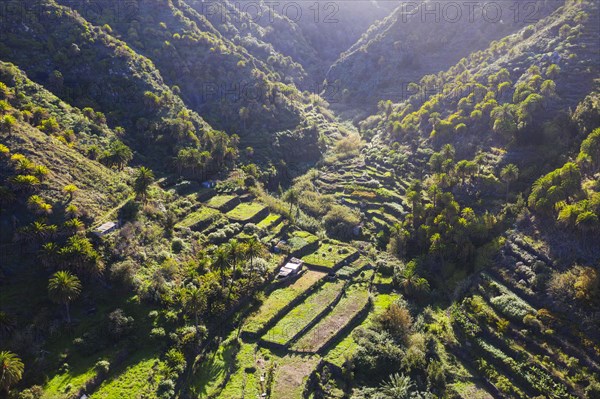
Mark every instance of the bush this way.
pixel 340 221
pixel 123 273
pixel 177 245
pixel 166 389
pixel 119 324
pixel 102 367
pixel 175 361
pixel 396 320
pixel 158 333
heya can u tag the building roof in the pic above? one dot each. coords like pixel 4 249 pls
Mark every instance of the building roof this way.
pixel 284 272
pixel 106 227
pixel 292 266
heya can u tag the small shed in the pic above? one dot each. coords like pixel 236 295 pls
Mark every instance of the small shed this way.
pixel 105 229
pixel 209 184
pixel 291 268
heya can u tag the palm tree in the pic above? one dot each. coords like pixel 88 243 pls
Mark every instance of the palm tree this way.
pixel 504 120
pixel 509 174
pixel 70 189
pixel 194 302
pixel 221 261
pixel 434 192
pixel 291 196
pixel 410 281
pixel 399 386
pixel 235 251
pixel 143 180
pixel 64 287
pixel 254 249
pixel 7 124
pixel 49 254
pixel 11 370
pixel 40 171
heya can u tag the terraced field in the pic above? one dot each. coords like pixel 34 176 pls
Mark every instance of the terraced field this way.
pixel 247 212
pixel 200 218
pixel 280 298
pixel 302 315
pixel 512 336
pixel 354 300
pixel 330 255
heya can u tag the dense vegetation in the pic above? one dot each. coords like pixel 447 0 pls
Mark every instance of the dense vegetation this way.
pixel 148 201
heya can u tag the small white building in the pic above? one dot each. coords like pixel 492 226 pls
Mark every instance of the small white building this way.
pixel 105 229
pixel 292 268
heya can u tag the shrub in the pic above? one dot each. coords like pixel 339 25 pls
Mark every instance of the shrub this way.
pixel 175 361
pixel 166 388
pixel 396 320
pixel 102 367
pixel 158 333
pixel 119 324
pixel 340 221
pixel 177 245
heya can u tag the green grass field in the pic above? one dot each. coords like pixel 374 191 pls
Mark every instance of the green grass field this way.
pixel 304 313
pixel 329 255
pixel 279 298
pixel 346 347
pixel 269 221
pixel 201 216
pixel 245 211
pixel 353 301
pixel 219 201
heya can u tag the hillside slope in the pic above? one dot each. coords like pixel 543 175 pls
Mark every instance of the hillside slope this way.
pixel 416 41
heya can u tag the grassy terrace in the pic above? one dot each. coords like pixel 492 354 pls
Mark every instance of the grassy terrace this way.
pixel 245 212
pixel 300 240
pixel 291 375
pixel 353 301
pixel 301 315
pixel 353 268
pixel 141 378
pixel 329 255
pixel 200 217
pixel 279 298
pixel 346 347
pixel 269 221
pixel 220 201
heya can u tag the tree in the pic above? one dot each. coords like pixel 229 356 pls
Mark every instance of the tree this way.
pixel 118 155
pixel 291 197
pixel 465 169
pixel 504 120
pixel 254 249
pixel 7 124
pixel 11 370
pixel 397 321
pixel 7 324
pixel 221 262
pixel 410 281
pixel 40 171
pixel 398 240
pixel 38 205
pixel 24 182
pixel 70 189
pixel 143 180
pixel 194 302
pixel 509 174
pixel 63 288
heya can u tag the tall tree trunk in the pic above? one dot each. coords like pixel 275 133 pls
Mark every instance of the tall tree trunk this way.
pixel 68 313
